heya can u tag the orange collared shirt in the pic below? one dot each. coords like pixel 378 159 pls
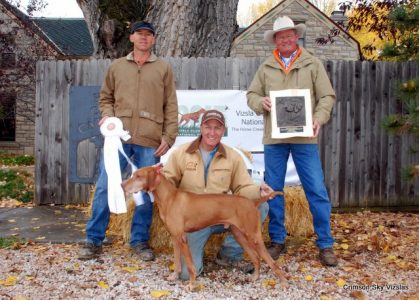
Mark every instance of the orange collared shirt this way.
pixel 281 63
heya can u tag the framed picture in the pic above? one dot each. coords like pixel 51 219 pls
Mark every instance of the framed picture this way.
pixel 291 113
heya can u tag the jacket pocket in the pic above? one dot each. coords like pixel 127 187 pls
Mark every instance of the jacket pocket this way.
pixel 149 126
pixel 125 115
pixel 220 179
pixel 151 116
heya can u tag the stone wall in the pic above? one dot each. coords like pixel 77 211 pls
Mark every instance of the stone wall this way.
pixel 251 44
pixel 20 48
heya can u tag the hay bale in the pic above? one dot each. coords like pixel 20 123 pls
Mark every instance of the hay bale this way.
pixel 298 222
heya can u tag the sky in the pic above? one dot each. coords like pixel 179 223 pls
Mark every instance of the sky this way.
pixel 70 8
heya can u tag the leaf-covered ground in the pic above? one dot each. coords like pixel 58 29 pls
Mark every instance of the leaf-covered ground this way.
pixel 378 255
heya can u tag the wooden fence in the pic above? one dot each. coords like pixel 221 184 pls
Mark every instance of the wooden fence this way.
pixel 362 163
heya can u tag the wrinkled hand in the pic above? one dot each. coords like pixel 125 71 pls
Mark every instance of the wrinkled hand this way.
pixel 265 190
pixel 266 103
pixel 162 149
pixel 316 127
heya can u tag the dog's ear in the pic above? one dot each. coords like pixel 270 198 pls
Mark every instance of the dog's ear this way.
pixel 152 176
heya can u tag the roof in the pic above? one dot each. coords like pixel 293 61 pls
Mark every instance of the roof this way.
pixel 70 36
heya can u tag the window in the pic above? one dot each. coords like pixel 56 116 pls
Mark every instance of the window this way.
pixel 7 117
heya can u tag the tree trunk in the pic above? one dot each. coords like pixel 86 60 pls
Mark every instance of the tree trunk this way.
pixel 109 35
pixel 185 28
pixel 91 13
pixel 193 28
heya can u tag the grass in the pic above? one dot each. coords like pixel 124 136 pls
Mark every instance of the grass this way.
pixel 15 184
pixel 8 242
pixel 15 160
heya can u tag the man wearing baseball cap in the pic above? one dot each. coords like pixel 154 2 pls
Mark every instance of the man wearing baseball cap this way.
pixel 140 90
pixel 208 166
pixel 291 67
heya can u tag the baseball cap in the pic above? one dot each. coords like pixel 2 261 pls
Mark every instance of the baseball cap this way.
pixel 213 114
pixel 142 25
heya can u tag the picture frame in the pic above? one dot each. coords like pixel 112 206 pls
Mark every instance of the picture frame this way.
pixel 291 113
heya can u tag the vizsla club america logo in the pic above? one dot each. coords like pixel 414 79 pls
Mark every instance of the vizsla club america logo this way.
pixel 189 124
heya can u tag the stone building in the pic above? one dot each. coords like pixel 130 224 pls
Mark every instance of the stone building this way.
pixel 250 43
pixel 24 41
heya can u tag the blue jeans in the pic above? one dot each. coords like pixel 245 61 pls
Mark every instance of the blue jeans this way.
pixel 230 249
pixel 307 163
pixel 141 221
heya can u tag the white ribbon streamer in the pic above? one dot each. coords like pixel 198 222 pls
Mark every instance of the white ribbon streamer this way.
pixel 112 130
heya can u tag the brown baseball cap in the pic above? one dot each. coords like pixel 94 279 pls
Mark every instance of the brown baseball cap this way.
pixel 213 114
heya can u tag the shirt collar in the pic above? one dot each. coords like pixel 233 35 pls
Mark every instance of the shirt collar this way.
pixel 151 58
pixel 194 146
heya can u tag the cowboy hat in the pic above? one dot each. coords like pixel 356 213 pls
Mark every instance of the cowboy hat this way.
pixel 281 24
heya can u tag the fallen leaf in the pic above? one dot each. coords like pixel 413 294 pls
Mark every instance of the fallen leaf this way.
pixel 329 279
pixel 171 266
pixel 103 285
pixel 35 219
pixel 358 295
pixel 12 221
pixel 308 278
pixel 159 293
pixel 133 279
pixel 340 282
pixel 269 283
pixel 19 297
pixel 344 246
pixel 40 238
pixel 9 281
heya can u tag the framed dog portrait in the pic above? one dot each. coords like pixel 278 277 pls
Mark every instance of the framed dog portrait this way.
pixel 291 113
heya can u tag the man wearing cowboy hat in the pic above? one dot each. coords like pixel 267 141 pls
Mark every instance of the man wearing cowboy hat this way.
pixel 292 67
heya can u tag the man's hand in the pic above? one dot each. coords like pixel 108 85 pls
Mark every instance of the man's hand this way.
pixel 265 190
pixel 266 103
pixel 316 127
pixel 162 149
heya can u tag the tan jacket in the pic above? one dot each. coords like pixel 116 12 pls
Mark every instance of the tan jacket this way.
pixel 227 172
pixel 307 72
pixel 144 98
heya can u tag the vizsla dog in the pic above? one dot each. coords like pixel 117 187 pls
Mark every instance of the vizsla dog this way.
pixel 183 212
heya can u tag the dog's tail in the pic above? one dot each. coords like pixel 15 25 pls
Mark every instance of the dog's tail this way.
pixel 268 197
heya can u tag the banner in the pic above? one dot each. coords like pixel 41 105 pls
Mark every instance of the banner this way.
pixel 243 128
